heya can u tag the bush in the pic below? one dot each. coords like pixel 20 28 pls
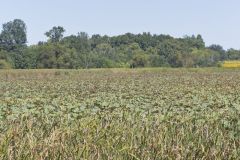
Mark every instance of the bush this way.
pixel 139 60
pixel 4 64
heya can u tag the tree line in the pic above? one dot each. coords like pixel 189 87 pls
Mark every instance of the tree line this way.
pixel 96 51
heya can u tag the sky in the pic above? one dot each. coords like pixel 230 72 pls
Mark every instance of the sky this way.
pixel 218 21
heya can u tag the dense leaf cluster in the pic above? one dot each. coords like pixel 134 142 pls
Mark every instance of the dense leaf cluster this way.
pixel 96 51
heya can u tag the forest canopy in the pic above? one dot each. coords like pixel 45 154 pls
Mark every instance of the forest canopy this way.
pixel 97 51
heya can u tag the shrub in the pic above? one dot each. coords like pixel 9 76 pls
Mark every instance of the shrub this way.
pixel 4 64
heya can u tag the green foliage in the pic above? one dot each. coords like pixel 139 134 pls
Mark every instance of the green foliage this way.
pixel 195 42
pixel 139 60
pixel 55 34
pixel 54 55
pixel 4 64
pixel 219 49
pixel 233 54
pixel 156 60
pixel 205 57
pixel 120 114
pixel 13 35
pixel 5 60
pixel 132 50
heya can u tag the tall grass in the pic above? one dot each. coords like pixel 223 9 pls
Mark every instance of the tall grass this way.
pixel 120 114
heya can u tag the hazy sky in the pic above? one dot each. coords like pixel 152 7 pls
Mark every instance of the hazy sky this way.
pixel 218 21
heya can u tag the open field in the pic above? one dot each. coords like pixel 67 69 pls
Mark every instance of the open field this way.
pixel 120 114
